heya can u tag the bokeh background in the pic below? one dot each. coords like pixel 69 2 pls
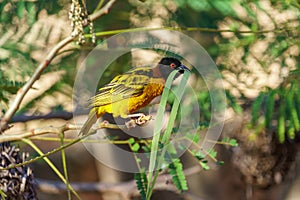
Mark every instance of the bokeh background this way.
pixel 255 45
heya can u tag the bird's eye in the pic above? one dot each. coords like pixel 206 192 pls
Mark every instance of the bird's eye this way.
pixel 172 65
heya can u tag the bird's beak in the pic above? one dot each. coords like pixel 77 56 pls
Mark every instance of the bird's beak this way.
pixel 183 68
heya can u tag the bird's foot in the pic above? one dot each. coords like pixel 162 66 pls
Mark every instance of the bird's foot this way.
pixel 106 124
pixel 139 119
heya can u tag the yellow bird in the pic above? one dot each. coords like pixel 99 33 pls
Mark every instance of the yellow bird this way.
pixel 129 92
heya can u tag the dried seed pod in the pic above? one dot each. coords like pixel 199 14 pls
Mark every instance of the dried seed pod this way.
pixel 79 19
pixel 16 183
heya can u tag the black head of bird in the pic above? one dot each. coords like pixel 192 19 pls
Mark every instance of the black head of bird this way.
pixel 167 64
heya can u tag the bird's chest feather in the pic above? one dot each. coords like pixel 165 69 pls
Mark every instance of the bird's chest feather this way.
pixel 152 90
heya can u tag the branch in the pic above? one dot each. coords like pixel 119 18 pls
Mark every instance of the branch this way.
pixel 126 189
pixel 52 115
pixel 56 130
pixel 23 91
pixel 201 29
pixel 38 131
pixel 104 10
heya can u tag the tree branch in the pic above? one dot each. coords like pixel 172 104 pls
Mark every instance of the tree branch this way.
pixel 52 115
pixel 23 91
pixel 104 10
pixel 38 131
pixel 126 189
pixel 56 130
pixel 36 75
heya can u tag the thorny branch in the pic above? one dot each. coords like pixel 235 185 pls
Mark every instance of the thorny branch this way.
pixel 36 75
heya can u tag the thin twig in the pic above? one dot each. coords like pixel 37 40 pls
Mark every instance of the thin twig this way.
pixel 201 29
pixel 55 130
pixel 38 131
pixel 51 55
pixel 104 10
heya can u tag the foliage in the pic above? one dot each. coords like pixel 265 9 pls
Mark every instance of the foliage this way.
pixel 141 183
pixel 163 153
pixel 212 11
pixel 178 177
pixel 260 70
pixel 28 30
pixel 246 49
pixel 287 118
pixel 7 87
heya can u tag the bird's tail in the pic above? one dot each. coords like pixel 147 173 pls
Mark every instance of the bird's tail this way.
pixel 89 123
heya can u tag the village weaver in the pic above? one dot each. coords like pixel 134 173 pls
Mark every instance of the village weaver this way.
pixel 129 92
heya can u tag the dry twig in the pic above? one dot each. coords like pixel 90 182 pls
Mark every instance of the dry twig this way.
pixel 38 131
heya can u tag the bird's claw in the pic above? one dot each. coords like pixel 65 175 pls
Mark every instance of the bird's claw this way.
pixel 104 123
pixel 139 119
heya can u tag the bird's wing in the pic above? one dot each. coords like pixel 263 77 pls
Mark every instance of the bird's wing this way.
pixel 122 87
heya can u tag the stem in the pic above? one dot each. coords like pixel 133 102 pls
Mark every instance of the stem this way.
pixel 51 165
pixel 157 129
pixel 64 163
pixel 201 29
pixel 167 134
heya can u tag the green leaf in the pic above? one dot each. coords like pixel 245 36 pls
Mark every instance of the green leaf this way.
pixel 20 8
pixel 135 147
pixel 172 150
pixel 146 148
pixel 194 137
pixel 233 103
pixel 199 155
pixel 212 153
pixel 220 163
pixel 204 165
pixel 10 86
pixel 249 11
pixel 281 122
pixel 203 125
pixel 131 140
pixel 256 106
pixel 199 5
pixel 178 177
pixel 233 142
pixel 2 194
pixel 230 141
pixel 270 104
pixel 141 183
pixel 156 135
pixel 32 12
pixel 224 7
pixel 291 108
pixel 297 100
pixel 291 131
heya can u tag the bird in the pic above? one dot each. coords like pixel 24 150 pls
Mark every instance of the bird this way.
pixel 131 91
